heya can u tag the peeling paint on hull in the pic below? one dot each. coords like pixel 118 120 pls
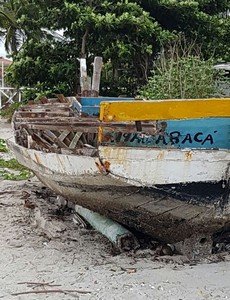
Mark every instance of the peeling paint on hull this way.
pixel 124 169
pixel 129 166
pixel 147 167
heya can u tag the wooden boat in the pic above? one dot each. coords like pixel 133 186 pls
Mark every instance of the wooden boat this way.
pixel 161 167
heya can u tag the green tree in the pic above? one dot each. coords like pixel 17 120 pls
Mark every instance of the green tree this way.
pixel 206 21
pixel 8 27
pixel 121 32
pixel 47 67
pixel 124 34
pixel 19 23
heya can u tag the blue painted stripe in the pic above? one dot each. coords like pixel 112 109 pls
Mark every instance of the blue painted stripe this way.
pixel 91 105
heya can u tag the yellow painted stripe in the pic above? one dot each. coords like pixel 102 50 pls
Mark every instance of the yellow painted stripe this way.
pixel 164 109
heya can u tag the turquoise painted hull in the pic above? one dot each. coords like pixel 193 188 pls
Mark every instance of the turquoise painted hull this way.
pixel 91 105
pixel 209 133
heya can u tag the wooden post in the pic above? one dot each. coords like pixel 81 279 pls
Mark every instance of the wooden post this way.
pixel 3 83
pixel 84 81
pixel 97 65
pixel 2 71
pixel 19 95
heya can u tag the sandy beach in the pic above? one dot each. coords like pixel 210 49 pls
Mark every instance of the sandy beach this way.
pixel 48 257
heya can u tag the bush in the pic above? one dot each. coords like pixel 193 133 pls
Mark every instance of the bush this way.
pixel 8 111
pixel 181 73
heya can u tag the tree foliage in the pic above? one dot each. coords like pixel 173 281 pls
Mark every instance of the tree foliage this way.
pixel 206 21
pixel 51 65
pixel 127 34
pixel 9 26
pixel 20 22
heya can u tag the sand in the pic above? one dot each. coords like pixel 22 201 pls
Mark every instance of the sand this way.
pixel 56 254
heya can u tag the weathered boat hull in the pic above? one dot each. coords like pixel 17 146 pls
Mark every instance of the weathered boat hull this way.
pixel 161 167
pixel 154 210
pixel 129 166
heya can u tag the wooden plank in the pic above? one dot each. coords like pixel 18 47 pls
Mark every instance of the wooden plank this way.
pixel 53 120
pixel 40 141
pixel 63 135
pixel 47 113
pixel 53 138
pixel 84 138
pixel 69 138
pixel 43 100
pixel 90 138
pixel 86 84
pixel 25 137
pixel 97 66
pixel 164 206
pixel 30 142
pixel 81 127
pixel 83 67
pixel 84 80
pixel 62 98
pixel 43 114
pixel 85 122
pixel 138 125
pixel 75 140
pixel 164 109
pixel 47 106
pixel 46 120
pixel 79 151
pixel 42 109
pixel 61 128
